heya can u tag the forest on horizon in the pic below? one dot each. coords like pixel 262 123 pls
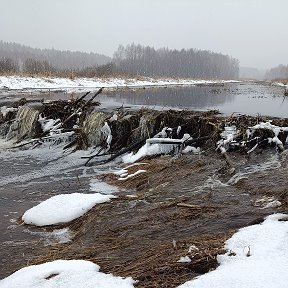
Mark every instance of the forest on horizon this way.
pixel 132 60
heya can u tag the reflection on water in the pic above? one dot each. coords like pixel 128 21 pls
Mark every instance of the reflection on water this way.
pixel 178 97
pixel 244 98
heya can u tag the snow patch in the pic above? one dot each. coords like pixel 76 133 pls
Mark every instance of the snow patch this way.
pixel 64 273
pixel 185 259
pixel 5 110
pixel 63 208
pixel 127 176
pixel 266 267
pixel 56 236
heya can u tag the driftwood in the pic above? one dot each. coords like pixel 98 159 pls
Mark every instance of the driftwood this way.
pixel 80 98
pixel 25 143
pixel 92 98
pixel 121 152
pixel 199 139
pixel 164 141
pixel 83 106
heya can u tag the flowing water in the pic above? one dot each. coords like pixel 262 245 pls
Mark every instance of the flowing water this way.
pixel 30 176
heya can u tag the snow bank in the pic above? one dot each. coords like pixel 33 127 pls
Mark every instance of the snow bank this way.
pixel 64 273
pixel 267 265
pixel 63 208
pixel 82 84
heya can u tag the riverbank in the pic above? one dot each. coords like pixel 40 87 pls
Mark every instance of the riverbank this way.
pixel 178 202
pixel 16 83
pixel 188 197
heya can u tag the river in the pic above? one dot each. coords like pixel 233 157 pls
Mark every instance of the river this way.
pixel 30 176
pixel 251 98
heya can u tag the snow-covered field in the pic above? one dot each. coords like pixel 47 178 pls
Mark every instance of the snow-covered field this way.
pixel 84 84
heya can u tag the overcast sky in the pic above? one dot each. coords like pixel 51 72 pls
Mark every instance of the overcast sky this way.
pixel 254 31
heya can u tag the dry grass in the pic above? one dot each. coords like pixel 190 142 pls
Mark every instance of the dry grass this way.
pixel 157 266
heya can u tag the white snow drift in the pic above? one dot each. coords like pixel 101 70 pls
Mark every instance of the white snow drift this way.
pixel 63 208
pixel 267 265
pixel 66 274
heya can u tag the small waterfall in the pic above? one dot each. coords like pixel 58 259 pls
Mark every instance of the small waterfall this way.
pixel 92 128
pixel 25 124
pixel 145 127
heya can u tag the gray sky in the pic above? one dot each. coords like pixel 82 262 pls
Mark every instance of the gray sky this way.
pixel 254 31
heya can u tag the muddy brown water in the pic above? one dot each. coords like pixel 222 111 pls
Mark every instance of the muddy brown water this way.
pixel 144 236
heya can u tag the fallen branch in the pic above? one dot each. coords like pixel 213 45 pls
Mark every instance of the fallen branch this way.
pixel 82 107
pixel 80 99
pixel 121 152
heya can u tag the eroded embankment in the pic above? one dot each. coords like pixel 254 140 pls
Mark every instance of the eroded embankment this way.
pixel 182 205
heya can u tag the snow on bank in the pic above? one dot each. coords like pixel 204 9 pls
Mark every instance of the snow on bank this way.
pixel 158 146
pixel 64 273
pixel 45 83
pixel 148 150
pixel 63 208
pixel 267 265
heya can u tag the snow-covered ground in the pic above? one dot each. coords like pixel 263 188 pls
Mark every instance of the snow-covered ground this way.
pixel 64 274
pixel 84 84
pixel 261 258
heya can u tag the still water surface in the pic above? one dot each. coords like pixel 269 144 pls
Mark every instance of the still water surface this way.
pixel 244 98
pixel 249 98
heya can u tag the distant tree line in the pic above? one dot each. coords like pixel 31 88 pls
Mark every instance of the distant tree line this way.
pixel 140 60
pixel 131 60
pixel 279 72
pixel 34 61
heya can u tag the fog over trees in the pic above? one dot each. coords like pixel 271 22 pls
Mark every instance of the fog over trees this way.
pixel 127 61
pixel 24 58
pixel 145 60
pixel 279 72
